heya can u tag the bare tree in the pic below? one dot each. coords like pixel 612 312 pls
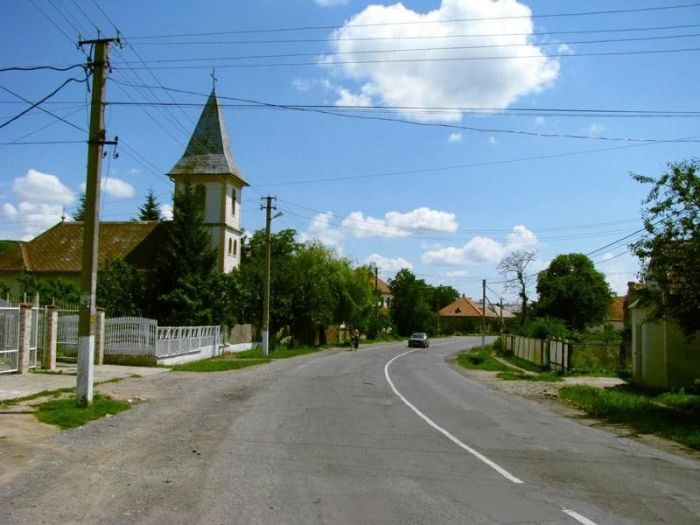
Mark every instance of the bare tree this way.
pixel 513 268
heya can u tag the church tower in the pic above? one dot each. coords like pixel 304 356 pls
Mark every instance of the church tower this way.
pixel 209 163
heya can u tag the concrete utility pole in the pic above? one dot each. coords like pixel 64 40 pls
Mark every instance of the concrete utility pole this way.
pixel 87 321
pixel 266 286
pixel 376 300
pixel 483 315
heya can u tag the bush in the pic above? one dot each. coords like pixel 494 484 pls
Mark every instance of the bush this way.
pixel 546 328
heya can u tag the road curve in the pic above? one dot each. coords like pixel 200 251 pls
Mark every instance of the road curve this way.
pixel 375 436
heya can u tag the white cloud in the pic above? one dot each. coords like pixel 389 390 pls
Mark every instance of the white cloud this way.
pixel 565 49
pixel 396 224
pixel 388 265
pixel 346 98
pixel 481 249
pixel 595 129
pixel 166 210
pixel 331 3
pixel 437 77
pixel 39 202
pixel 302 84
pixel 42 187
pixel 117 188
pixel 455 137
pixel 492 140
pixel 322 230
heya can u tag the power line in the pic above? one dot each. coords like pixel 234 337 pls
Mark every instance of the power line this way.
pixel 424 22
pixel 41 142
pixel 34 105
pixel 438 124
pixel 417 37
pixel 39 68
pixel 415 50
pixel 420 60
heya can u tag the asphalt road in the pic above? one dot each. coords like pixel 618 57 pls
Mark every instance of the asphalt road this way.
pixel 374 436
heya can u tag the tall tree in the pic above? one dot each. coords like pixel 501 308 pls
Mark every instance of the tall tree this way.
pixel 514 268
pixel 571 289
pixel 410 308
pixel 150 211
pixel 185 276
pixel 80 211
pixel 670 249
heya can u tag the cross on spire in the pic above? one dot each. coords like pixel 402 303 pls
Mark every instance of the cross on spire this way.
pixel 213 78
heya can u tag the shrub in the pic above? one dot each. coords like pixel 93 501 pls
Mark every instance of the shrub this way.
pixel 546 328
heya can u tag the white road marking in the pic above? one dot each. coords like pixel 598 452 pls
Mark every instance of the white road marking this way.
pixel 578 517
pixel 503 472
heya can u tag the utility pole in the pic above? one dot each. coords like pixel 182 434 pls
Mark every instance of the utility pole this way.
pixel 87 321
pixel 483 314
pixel 266 286
pixel 376 300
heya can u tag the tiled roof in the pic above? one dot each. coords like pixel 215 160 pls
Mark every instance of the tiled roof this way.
pixel 464 307
pixel 209 150
pixel 383 287
pixel 59 249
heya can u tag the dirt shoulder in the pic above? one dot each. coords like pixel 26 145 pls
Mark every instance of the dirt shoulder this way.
pixel 547 393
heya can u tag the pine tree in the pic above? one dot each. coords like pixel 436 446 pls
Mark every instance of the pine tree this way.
pixel 150 211
pixel 79 213
pixel 185 271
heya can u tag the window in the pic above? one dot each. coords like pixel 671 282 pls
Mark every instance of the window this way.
pixel 233 202
pixel 235 248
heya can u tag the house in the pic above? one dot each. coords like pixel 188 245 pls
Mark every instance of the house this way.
pixel 662 355
pixel 209 163
pixel 615 315
pixel 384 291
pixel 465 315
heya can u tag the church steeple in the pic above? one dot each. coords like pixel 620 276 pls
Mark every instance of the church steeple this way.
pixel 209 164
pixel 209 150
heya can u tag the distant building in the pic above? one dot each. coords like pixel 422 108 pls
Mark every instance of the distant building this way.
pixel 466 315
pixel 218 181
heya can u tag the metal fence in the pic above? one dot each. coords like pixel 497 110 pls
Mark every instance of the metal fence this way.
pixel 553 354
pixel 178 340
pixel 130 336
pixel 9 339
pixel 67 336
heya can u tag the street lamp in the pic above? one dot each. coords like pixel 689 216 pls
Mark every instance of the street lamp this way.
pixel 266 296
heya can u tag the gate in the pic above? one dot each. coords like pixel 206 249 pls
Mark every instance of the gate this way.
pixel 67 336
pixel 9 339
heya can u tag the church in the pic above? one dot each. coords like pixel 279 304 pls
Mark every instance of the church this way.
pixel 210 165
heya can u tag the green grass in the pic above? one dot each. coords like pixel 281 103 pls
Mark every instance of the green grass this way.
pixel 43 393
pixel 218 364
pixel 478 360
pixel 278 353
pixel 674 416
pixel 65 412
pixel 523 363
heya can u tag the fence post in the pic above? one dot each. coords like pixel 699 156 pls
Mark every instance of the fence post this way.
pixel 25 337
pixel 546 349
pixel 100 337
pixel 49 362
pixel 569 355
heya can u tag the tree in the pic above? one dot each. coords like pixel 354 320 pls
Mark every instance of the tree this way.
pixel 121 289
pixel 572 289
pixel 410 309
pixel 49 290
pixel 187 286
pixel 81 210
pixel 670 248
pixel 150 211
pixel 514 268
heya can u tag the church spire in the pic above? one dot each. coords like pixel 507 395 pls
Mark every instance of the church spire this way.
pixel 209 150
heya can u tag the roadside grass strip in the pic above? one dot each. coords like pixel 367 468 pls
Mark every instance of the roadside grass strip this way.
pixel 478 360
pixel 485 360
pixel 218 364
pixel 547 377
pixel 65 412
pixel 672 415
pixel 278 353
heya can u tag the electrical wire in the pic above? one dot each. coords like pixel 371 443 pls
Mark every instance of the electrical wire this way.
pixel 38 103
pixel 424 22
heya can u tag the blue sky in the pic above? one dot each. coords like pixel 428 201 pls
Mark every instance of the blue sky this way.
pixel 436 135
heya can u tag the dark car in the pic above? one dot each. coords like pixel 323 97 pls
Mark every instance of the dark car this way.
pixel 419 339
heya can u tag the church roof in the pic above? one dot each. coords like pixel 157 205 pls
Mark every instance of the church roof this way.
pixel 209 150
pixel 59 249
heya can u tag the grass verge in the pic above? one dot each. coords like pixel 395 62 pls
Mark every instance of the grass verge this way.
pixel 278 353
pixel 218 364
pixel 521 376
pixel 65 413
pixel 672 415
pixel 482 360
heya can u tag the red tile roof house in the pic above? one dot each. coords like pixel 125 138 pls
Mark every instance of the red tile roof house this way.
pixel 209 162
pixel 466 316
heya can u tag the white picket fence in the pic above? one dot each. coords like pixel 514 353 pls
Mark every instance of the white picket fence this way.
pixel 138 336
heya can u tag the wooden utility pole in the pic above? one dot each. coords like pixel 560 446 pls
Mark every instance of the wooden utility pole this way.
pixel 266 286
pixel 483 315
pixel 87 322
